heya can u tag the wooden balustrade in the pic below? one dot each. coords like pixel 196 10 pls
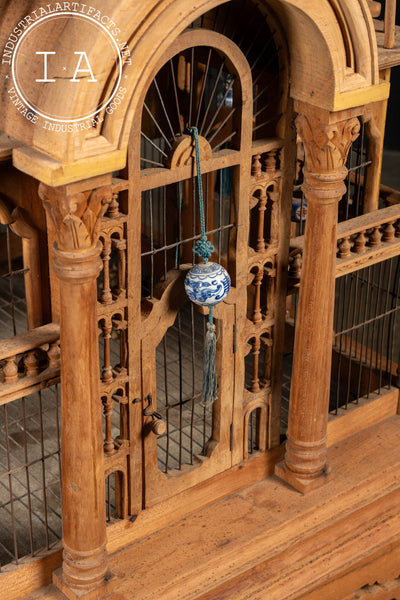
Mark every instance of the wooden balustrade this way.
pixel 361 241
pixel 29 362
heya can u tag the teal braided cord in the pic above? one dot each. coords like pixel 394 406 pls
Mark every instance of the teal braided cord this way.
pixel 203 247
pixel 179 202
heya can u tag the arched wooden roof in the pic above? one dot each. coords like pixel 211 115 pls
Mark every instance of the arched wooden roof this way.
pixel 333 66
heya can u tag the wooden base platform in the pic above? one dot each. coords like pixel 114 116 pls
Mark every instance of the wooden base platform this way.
pixel 269 541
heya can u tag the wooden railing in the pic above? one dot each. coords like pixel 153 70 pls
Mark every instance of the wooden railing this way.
pixel 29 362
pixel 361 242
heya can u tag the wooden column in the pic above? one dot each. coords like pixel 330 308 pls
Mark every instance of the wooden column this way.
pixel 326 146
pixel 76 217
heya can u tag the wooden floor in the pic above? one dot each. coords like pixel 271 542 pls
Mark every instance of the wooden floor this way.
pixel 268 542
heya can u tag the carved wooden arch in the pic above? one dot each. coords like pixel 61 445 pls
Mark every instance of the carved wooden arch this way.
pixel 341 29
pixel 264 409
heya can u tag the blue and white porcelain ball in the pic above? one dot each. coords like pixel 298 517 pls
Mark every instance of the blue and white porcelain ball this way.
pixel 207 284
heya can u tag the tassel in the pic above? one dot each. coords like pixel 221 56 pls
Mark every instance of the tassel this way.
pixel 209 392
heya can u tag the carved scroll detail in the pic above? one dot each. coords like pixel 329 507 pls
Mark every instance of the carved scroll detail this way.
pixel 76 217
pixel 326 146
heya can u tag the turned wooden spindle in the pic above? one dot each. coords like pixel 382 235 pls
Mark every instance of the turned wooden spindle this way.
pixel 108 406
pixel 270 162
pixel 255 382
pixel 120 246
pixel 31 364
pixel 113 207
pixel 123 437
pixel 106 372
pixel 121 325
pixel 262 204
pixel 54 355
pixel 388 233
pixel 269 281
pixel 257 314
pixel 267 367
pixel 295 265
pixel 10 370
pixel 374 239
pixel 275 207
pixel 256 166
pixel 344 248
pixel 106 296
pixel 360 243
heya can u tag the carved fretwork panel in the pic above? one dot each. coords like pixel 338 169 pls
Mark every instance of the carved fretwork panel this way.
pixel 112 312
pixel 263 258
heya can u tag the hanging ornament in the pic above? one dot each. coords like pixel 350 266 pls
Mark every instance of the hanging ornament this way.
pixel 206 284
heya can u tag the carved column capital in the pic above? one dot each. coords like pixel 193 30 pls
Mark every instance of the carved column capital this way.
pixel 76 216
pixel 326 146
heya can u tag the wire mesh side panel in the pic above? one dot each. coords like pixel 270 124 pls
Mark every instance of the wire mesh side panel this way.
pixel 13 314
pixel 179 382
pixel 30 475
pixel 352 203
pixel 366 345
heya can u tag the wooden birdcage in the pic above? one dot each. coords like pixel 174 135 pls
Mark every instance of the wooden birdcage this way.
pixel 109 452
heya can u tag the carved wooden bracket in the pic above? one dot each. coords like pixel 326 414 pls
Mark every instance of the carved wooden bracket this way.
pixel 76 217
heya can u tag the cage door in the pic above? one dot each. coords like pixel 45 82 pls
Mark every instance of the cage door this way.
pixel 184 442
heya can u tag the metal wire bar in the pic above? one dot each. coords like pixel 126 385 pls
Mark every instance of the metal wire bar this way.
pixel 193 381
pixel 264 90
pixel 274 118
pixel 163 107
pixel 263 51
pixel 229 137
pixel 28 487
pixel 43 469
pixel 157 125
pixel 180 389
pixel 190 239
pixel 211 97
pixel 166 399
pixel 10 483
pixel 11 280
pixel 366 305
pixel 165 229
pixel 191 87
pixel 203 86
pixel 153 144
pixel 178 111
pixel 152 162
